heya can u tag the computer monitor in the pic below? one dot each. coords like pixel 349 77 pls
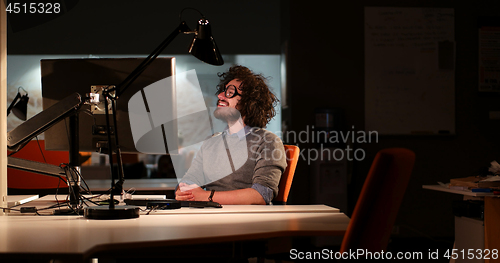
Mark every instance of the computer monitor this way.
pixel 62 77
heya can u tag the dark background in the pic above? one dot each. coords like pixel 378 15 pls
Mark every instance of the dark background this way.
pixel 324 46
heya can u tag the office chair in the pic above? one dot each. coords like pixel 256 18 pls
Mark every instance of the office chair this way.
pixel 378 204
pixel 21 182
pixel 292 156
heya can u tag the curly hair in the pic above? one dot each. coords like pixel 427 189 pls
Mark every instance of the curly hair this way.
pixel 257 101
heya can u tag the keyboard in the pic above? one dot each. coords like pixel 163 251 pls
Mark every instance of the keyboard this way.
pixel 197 204
pixel 200 204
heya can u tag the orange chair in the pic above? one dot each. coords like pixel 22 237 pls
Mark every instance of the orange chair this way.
pixel 292 156
pixel 378 204
pixel 21 182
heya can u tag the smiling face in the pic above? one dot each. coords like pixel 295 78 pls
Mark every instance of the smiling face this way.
pixel 229 102
pixel 227 107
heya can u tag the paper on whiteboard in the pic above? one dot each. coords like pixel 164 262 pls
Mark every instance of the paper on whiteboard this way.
pixel 409 70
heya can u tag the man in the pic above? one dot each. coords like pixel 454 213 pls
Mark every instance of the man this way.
pixel 243 164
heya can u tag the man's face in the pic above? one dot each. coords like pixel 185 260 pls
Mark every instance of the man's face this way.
pixel 227 107
pixel 229 102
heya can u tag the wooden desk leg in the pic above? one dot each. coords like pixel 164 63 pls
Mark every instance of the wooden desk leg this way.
pixel 492 225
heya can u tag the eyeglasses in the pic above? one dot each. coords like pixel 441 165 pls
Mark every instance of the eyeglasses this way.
pixel 230 91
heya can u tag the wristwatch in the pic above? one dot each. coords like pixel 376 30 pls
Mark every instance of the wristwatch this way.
pixel 211 196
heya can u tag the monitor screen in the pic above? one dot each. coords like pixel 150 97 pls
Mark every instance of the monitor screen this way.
pixel 63 77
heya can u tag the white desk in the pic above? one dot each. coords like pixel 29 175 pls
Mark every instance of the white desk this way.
pixel 239 209
pixel 454 191
pixel 77 239
pixel 491 219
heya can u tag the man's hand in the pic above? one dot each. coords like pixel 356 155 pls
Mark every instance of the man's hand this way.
pixel 191 192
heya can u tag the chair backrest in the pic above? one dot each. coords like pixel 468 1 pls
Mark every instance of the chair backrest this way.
pixel 379 201
pixel 17 179
pixel 292 156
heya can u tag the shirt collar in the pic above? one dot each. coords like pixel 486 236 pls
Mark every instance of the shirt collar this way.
pixel 241 133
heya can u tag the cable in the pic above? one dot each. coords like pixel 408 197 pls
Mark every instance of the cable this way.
pixel 68 171
pixel 35 211
pixel 180 14
pixel 39 147
pixel 153 208
pixel 57 190
pixel 127 194
pixel 87 189
pixel 19 210
pixel 57 205
pixel 68 204
pixel 89 199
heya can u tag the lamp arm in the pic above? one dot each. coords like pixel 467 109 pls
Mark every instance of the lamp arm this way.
pixel 120 88
pixel 190 8
pixel 25 132
pixel 18 96
pixel 36 167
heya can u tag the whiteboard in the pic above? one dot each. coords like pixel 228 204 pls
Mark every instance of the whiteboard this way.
pixel 409 70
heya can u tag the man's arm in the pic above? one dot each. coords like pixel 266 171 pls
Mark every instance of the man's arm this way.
pixel 247 196
pixel 194 174
pixel 270 162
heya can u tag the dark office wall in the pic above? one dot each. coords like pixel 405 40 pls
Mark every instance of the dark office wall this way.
pixel 326 69
pixel 137 27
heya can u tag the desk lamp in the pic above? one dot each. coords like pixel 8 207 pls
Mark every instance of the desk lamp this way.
pixel 202 47
pixel 19 105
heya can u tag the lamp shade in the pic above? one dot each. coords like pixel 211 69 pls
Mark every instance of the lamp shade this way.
pixel 20 110
pixel 203 45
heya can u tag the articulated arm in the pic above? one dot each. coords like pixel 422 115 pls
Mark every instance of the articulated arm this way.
pixel 22 134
